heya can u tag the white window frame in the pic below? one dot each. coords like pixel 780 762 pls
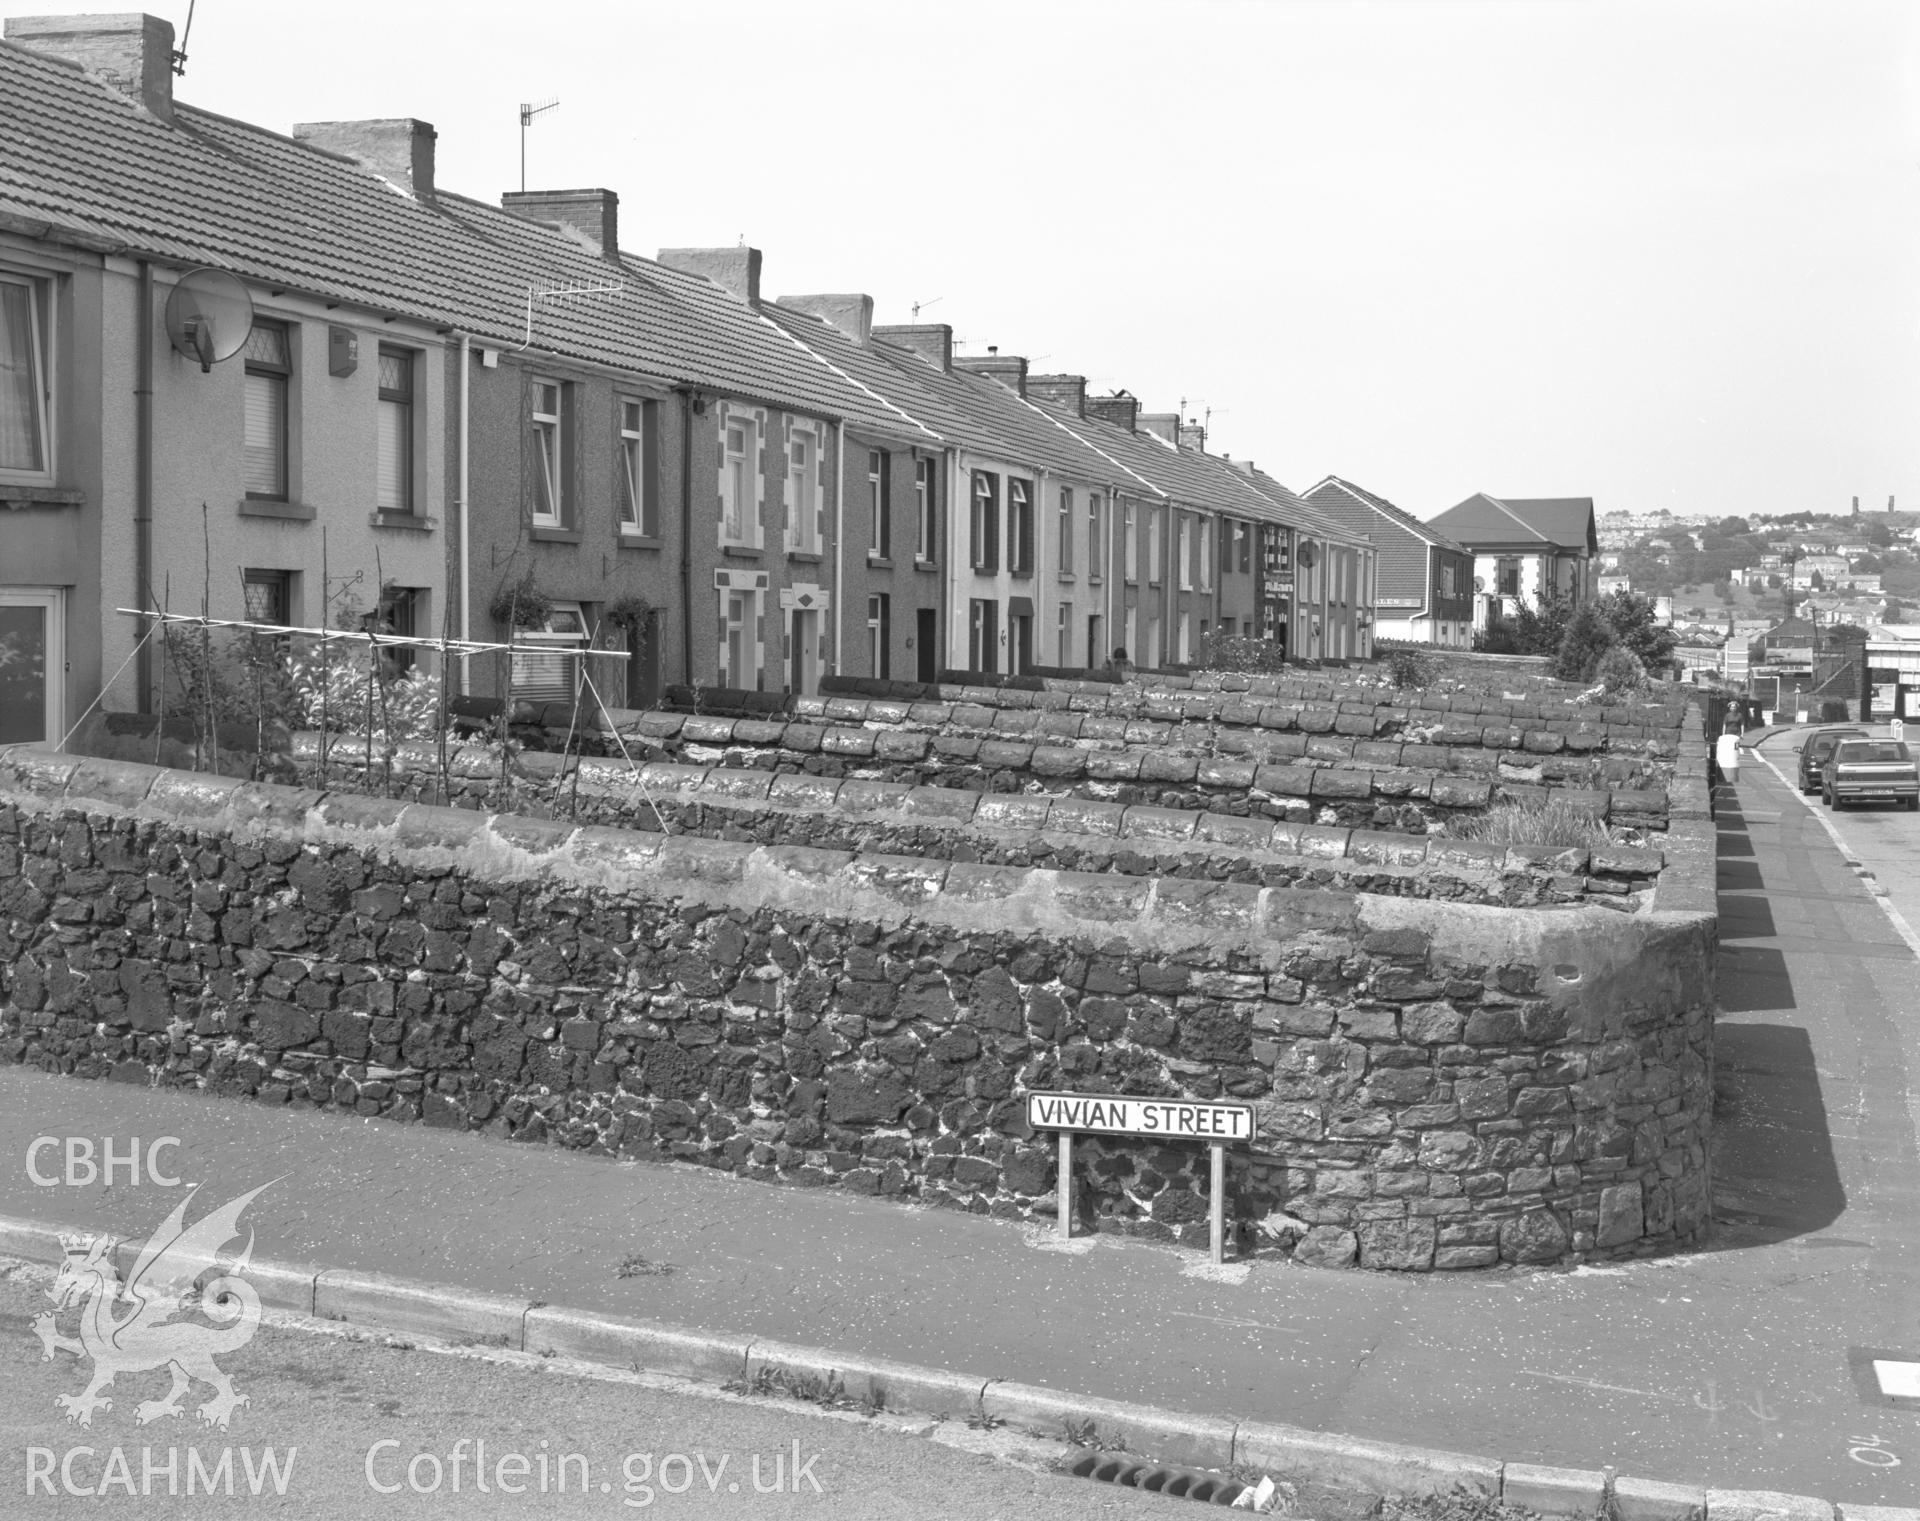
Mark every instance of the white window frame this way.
pixel 877 525
pixel 633 467
pixel 803 488
pixel 549 462
pixel 1183 547
pixel 39 356
pixel 1156 530
pixel 52 600
pixel 983 548
pixel 1019 518
pixel 1063 641
pixel 738 613
pixel 877 621
pixel 1096 541
pixel 1131 523
pixel 742 478
pixel 1066 533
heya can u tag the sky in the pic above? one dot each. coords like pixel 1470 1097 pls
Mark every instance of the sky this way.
pixel 1664 255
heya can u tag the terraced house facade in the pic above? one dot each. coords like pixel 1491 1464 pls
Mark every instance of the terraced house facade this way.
pixel 462 419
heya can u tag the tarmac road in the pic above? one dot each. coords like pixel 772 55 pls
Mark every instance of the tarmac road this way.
pixel 1743 1366
pixel 363 1431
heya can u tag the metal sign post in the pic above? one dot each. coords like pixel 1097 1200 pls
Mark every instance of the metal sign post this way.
pixel 1217 1124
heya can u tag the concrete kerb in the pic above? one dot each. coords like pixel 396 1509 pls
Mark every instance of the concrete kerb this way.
pixel 1319 1460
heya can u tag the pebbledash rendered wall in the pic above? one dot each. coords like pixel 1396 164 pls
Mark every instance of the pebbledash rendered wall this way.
pixel 1438 1085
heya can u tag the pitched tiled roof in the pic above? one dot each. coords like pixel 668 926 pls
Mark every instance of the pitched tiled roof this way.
pixel 965 410
pixel 1565 522
pixel 80 163
pixel 1303 513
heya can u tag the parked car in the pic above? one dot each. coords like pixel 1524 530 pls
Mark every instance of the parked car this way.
pixel 1814 752
pixel 1871 771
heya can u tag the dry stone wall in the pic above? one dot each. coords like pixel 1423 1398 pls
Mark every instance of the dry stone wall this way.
pixel 1438 1085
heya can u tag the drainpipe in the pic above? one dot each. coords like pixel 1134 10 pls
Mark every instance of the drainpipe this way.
pixel 143 484
pixel 959 501
pixel 687 401
pixel 839 547
pixel 466 535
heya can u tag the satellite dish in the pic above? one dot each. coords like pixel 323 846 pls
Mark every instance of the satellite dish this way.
pixel 209 315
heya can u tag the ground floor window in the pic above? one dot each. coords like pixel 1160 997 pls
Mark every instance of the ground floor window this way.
pixel 546 667
pixel 879 629
pixel 32 665
pixel 1063 651
pixel 983 635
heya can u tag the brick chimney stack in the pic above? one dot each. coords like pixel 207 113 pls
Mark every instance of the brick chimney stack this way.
pixel 593 216
pixel 1009 369
pixel 1164 425
pixel 131 53
pixel 1120 409
pixel 932 341
pixel 398 149
pixel 1193 436
pixel 852 314
pixel 1068 392
pixel 738 269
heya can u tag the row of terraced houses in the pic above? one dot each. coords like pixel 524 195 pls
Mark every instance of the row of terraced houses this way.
pixel 438 411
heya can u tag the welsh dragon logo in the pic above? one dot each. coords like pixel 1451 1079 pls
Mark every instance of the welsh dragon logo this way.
pixel 146 1336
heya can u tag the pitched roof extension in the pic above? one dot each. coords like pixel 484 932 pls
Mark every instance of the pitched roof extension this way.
pixel 81 164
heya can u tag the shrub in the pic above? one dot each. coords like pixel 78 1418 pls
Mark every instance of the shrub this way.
pixel 1555 822
pixel 1588 637
pixel 1620 672
pixel 1410 668
pixel 1218 652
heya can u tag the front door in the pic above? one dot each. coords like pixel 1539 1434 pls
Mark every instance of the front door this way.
pixel 803 653
pixel 926 645
pixel 33 676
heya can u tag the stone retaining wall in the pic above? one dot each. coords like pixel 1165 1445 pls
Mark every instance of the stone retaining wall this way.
pixel 1437 1085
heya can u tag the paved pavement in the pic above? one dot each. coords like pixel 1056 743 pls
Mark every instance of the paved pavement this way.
pixel 1729 1367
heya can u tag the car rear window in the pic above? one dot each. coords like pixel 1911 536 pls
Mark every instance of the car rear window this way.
pixel 1871 752
pixel 1822 743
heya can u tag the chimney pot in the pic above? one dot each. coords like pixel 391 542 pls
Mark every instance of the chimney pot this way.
pixel 593 216
pixel 852 314
pixel 398 149
pixel 132 53
pixel 738 269
pixel 932 341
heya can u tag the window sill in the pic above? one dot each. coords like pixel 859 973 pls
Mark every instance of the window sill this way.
pixel 878 562
pixel 641 540
pixel 541 534
pixel 290 512
pixel 1067 578
pixel 1021 575
pixel 1096 580
pixel 740 551
pixel 931 567
pixel 19 498
pixel 409 521
pixel 804 557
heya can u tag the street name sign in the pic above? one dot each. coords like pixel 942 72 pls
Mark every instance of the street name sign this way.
pixel 1169 1119
pixel 1217 1124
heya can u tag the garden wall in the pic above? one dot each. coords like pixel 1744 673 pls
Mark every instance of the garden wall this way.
pixel 1438 1085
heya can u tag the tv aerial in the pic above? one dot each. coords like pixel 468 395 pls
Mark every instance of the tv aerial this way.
pixel 209 315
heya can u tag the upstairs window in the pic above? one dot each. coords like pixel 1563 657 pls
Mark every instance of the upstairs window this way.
pixel 1448 582
pixel 985 523
pixel 1227 541
pixel 1019 526
pixel 394 485
pixel 1246 546
pixel 1184 549
pixel 1131 549
pixel 269 374
pixel 803 489
pixel 1156 531
pixel 544 420
pixel 639 495
pixel 742 430
pixel 26 396
pixel 1096 539
pixel 1507 579
pixel 1066 530
pixel 926 499
pixel 879 504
